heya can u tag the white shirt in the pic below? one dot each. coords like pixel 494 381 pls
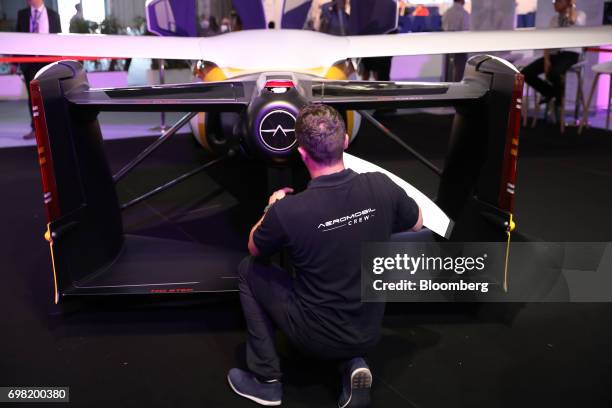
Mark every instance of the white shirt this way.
pixel 580 21
pixel 43 19
pixel 456 19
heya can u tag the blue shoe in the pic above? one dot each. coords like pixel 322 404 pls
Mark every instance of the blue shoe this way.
pixel 248 386
pixel 356 385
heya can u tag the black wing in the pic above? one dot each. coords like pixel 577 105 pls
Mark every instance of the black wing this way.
pixel 213 96
pixel 389 94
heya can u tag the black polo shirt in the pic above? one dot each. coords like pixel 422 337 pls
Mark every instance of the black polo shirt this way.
pixel 323 228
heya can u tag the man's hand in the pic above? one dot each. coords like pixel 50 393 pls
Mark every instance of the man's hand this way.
pixel 279 194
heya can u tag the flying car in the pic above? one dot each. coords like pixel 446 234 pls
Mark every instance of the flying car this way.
pixel 244 111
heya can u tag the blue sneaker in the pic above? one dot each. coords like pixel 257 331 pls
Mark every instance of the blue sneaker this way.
pixel 248 386
pixel 356 385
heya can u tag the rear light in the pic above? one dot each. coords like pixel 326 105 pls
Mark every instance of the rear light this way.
pixel 45 160
pixel 279 86
pixel 508 179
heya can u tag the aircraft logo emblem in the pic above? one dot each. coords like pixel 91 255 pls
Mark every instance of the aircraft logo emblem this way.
pixel 277 130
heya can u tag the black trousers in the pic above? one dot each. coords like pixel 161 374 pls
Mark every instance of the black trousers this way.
pixel 265 294
pixel 559 64
pixel 380 66
pixel 29 72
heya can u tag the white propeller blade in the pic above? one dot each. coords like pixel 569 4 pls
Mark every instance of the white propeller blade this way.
pixel 433 217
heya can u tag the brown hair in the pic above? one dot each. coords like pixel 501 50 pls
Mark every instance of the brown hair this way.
pixel 320 130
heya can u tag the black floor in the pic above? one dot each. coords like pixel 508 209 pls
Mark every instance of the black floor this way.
pixel 145 353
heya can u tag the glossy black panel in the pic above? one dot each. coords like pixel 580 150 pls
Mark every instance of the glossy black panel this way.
pixel 373 89
pixel 228 90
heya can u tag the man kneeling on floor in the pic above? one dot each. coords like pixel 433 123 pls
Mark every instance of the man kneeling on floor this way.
pixel 320 311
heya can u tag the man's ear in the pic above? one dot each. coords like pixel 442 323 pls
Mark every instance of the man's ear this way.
pixel 346 141
pixel 303 153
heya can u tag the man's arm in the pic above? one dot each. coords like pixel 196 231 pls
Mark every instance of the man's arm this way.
pixel 407 215
pixel 277 195
pixel 252 247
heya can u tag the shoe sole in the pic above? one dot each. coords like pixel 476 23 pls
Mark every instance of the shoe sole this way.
pixel 361 383
pixel 252 398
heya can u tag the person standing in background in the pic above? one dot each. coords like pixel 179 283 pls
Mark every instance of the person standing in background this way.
pixel 456 18
pixel 36 18
pixel 209 26
pixel 77 22
pixel 334 19
pixel 235 21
